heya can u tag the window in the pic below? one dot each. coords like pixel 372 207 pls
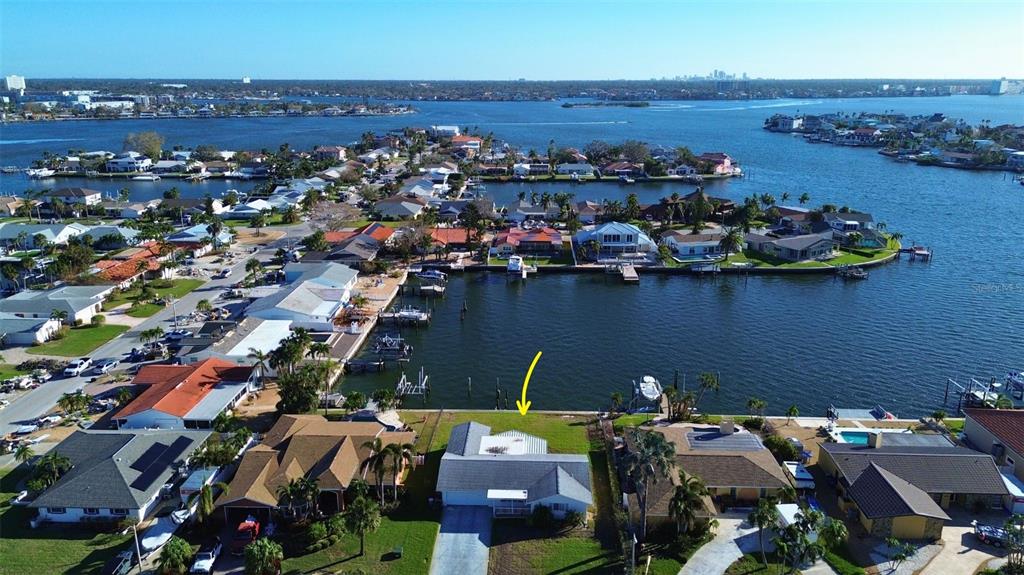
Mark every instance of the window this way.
pixel 91 511
pixel 559 507
pixel 56 510
pixel 119 512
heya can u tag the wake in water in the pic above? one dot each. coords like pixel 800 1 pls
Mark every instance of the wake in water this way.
pixel 40 141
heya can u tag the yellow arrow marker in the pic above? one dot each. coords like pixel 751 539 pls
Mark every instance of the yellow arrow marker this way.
pixel 524 405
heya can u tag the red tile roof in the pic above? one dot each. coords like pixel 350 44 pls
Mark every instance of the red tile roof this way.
pixel 445 236
pixel 1006 424
pixel 338 237
pixel 515 236
pixel 376 231
pixel 123 268
pixel 176 389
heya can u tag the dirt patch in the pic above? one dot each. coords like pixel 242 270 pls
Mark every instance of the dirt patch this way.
pixel 248 236
pixel 260 411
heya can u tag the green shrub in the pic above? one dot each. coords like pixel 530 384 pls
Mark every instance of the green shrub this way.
pixel 842 565
pixel 753 423
pixel 542 517
pixel 782 449
pixel 336 525
pixel 98 320
pixel 316 532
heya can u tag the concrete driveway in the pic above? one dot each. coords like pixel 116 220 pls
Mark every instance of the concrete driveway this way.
pixel 961 551
pixel 733 538
pixel 464 542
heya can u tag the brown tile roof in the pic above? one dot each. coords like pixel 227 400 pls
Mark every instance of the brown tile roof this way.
pixel 306 446
pixel 338 237
pixel 753 468
pixel 176 389
pixel 880 493
pixel 1006 424
pixel 515 236
pixel 445 236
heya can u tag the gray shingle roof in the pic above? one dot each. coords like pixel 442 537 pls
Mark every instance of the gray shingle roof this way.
pixel 102 472
pixel 537 472
pixel 932 469
pixel 879 493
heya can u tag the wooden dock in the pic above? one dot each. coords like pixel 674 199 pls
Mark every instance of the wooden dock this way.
pixel 629 274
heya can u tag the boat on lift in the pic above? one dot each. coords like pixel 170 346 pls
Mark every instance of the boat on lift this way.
pixel 40 173
pixel 147 178
pixel 649 388
pixel 432 275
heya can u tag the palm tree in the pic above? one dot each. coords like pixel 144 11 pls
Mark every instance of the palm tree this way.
pixel 51 466
pixel 792 412
pixel 260 360
pixel 73 402
pixel 763 516
pixel 214 228
pixel 686 501
pixel 23 453
pixel 616 402
pixel 204 305
pixel 258 221
pixel 175 556
pixel 253 267
pixel 363 515
pixel 290 493
pixel 59 315
pixel 708 382
pixel 833 533
pixel 263 557
pixel 204 499
pixel 402 454
pixel 804 198
pixel 756 405
pixel 855 238
pixel 376 462
pixel 731 241
pixel 652 457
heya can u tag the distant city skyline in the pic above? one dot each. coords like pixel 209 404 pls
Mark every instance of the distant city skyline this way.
pixel 463 40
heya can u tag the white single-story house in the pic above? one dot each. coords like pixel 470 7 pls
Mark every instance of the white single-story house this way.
pixel 24 235
pixel 79 302
pixel 578 169
pixel 690 245
pixel 512 473
pixel 26 331
pixel 792 248
pixel 400 207
pixel 76 196
pixel 316 292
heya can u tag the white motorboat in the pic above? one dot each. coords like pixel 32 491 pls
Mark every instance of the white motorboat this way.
pixel 41 173
pixel 649 388
pixel 410 313
pixel 237 176
pixel 518 267
pixel 146 178
pixel 432 275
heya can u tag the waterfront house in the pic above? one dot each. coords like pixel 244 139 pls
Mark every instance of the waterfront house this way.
pixel 578 169
pixel 624 169
pixel 199 234
pixel 682 170
pixel 186 396
pixel 178 207
pixel 492 169
pixel 1000 433
pixel 129 162
pixel 332 153
pixel 315 294
pixel 115 475
pixel 533 241
pixel 845 223
pixel 471 144
pixel 616 238
pixel 128 211
pixel 452 238
pixel 400 207
pixel 512 473
pixel 792 248
pixel 864 136
pixel 722 164
pixel 452 210
pixel 531 169
pixel 23 236
pixel 444 131
pixel 234 341
pixel 960 159
pixel 1015 160
pixel 80 303
pixel 589 212
pixel 16 330
pixel 82 196
pixel 332 453
pixel 170 167
pixel 521 211
pixel 902 490
pixel 9 205
pixel 686 244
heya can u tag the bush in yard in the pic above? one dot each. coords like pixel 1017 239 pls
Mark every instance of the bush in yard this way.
pixel 542 517
pixel 61 333
pixel 753 423
pixel 335 525
pixel 574 519
pixel 316 532
pixel 98 320
pixel 782 449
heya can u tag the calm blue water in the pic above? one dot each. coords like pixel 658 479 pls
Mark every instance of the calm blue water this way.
pixel 891 340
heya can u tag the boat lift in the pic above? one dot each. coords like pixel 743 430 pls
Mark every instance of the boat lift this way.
pixel 404 387
pixel 975 393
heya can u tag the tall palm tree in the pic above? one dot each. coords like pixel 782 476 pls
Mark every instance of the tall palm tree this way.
pixel 708 382
pixel 402 454
pixel 204 499
pixel 763 516
pixel 24 453
pixel 804 198
pixel 253 267
pixel 362 516
pixel 51 466
pixel 616 402
pixel 833 533
pixel 686 501
pixel 651 458
pixel 260 359
pixel 289 494
pixel 732 241
pixel 376 462
pixel 792 412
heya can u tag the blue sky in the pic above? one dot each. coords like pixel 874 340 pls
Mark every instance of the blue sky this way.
pixel 482 39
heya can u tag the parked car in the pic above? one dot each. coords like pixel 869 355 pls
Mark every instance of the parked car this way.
pixel 121 564
pixel 104 366
pixel 225 273
pixel 206 557
pixel 989 534
pixel 178 334
pixel 77 367
pixel 246 533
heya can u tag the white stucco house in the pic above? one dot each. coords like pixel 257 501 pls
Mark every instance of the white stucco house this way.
pixel 617 238
pixel 79 302
pixel 129 162
pixel 315 293
pixel 16 330
pixel 512 473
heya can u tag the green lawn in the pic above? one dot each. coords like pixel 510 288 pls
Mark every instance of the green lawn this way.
pixel 162 288
pixel 762 260
pixel 750 564
pixel 516 548
pixel 631 420
pixel 143 310
pixel 564 259
pixel 849 257
pixel 79 341
pixel 564 434
pixel 48 550
pixel 273 220
pixel 8 371
pixel 954 425
pixel 416 537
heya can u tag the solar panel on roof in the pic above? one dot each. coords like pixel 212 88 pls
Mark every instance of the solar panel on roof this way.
pixel 143 481
pixel 159 456
pixel 149 456
pixel 723 442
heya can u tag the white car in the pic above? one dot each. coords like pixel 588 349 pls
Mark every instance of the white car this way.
pixel 178 334
pixel 77 367
pixel 4 403
pixel 105 365
pixel 206 557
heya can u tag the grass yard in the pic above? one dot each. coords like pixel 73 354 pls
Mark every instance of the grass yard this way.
pixel 8 371
pixel 565 434
pixel 631 420
pixel 954 425
pixel 79 341
pixel 48 550
pixel 143 310
pixel 272 220
pixel 415 536
pixel 750 564
pixel 162 288
pixel 563 259
pixel 850 257
pixel 517 549
pixel 762 260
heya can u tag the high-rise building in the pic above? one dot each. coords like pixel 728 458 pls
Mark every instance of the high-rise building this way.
pixel 246 80
pixel 14 83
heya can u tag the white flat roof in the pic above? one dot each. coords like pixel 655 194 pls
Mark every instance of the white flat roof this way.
pixel 517 494
pixel 502 445
pixel 265 337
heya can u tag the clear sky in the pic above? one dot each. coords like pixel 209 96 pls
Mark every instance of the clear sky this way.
pixel 497 40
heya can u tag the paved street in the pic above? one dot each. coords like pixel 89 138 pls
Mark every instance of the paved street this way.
pixel 37 402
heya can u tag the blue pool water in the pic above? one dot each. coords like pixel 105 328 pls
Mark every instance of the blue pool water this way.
pixel 855 437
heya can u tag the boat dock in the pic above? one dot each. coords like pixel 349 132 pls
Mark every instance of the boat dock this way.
pixel 629 274
pixel 426 290
pixel 406 316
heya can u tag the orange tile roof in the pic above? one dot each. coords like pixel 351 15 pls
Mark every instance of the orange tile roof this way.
pixel 445 236
pixel 376 231
pixel 338 237
pixel 176 389
pixel 125 265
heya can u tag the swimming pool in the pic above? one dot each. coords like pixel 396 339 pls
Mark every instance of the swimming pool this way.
pixel 855 437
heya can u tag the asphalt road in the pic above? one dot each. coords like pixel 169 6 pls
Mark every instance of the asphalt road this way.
pixel 32 405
